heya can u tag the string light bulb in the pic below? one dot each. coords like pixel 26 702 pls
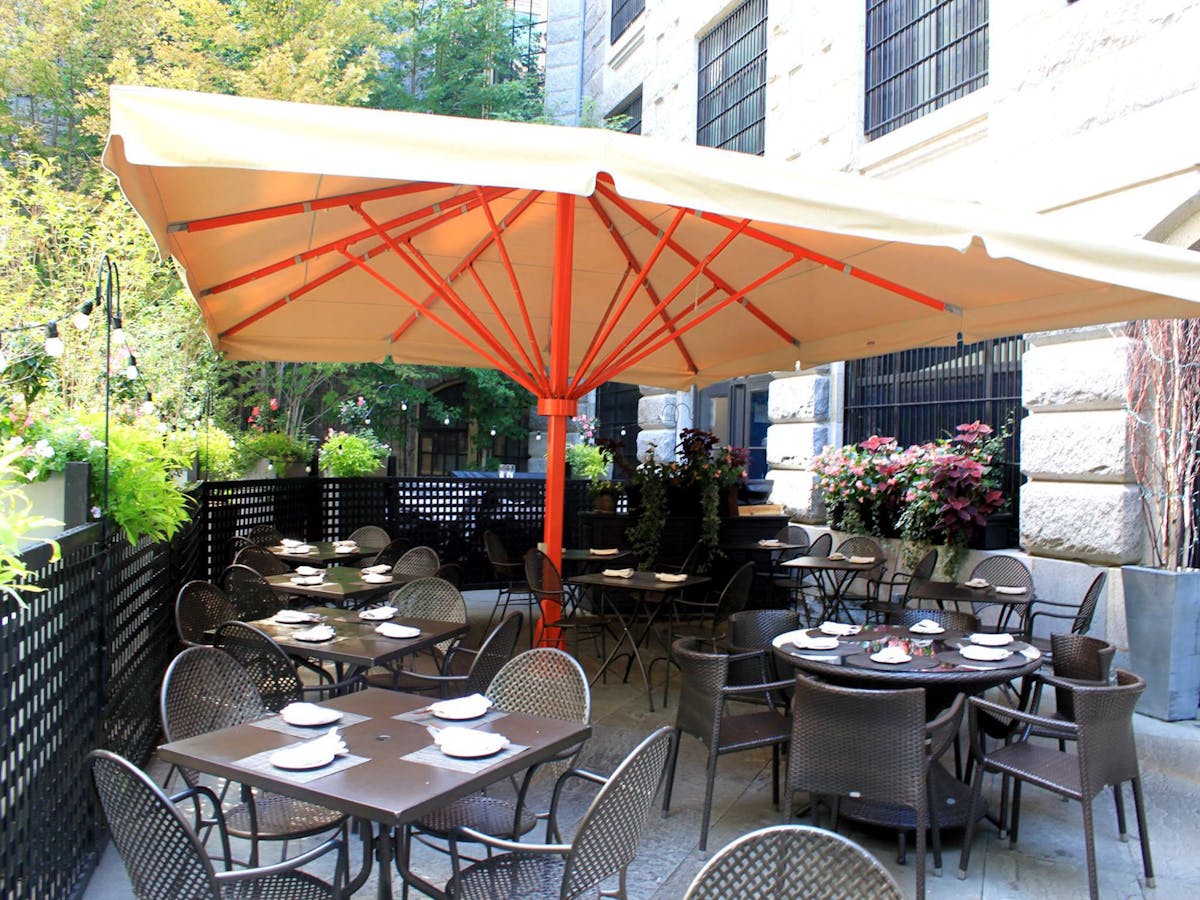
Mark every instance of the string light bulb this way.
pixel 131 371
pixel 538 436
pixel 148 406
pixel 446 421
pixel 622 432
pixel 83 318
pixel 118 333
pixel 54 344
pixel 403 406
pixel 493 432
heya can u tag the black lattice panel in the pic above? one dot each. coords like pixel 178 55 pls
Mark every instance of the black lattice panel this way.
pixel 49 719
pixel 350 503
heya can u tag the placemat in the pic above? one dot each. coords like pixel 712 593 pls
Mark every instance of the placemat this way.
pixel 424 717
pixel 954 658
pixel 260 762
pixel 432 756
pixel 916 664
pixel 852 638
pixel 812 653
pixel 276 723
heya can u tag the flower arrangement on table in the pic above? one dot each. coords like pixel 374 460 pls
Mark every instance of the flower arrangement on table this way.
pixel 940 490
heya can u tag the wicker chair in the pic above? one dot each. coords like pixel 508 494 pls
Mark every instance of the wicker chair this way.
pixel 420 561
pixel 884 606
pixel 542 682
pixel 510 578
pixel 370 536
pixel 800 586
pixel 546 585
pixel 874 745
pixel 389 555
pixel 273 671
pixel 870 579
pixel 262 561
pixel 166 859
pixel 950 619
pixel 1107 755
pixel 206 689
pixel 703 696
pixel 1006 570
pixel 264 535
pixel 496 649
pixel 1079 616
pixel 450 572
pixel 754 629
pixel 786 861
pixel 251 596
pixel 200 607
pixel 604 844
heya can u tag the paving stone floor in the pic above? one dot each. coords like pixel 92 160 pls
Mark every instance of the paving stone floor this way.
pixel 1048 862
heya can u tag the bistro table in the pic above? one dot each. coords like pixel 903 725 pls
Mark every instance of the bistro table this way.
pixel 323 554
pixel 588 559
pixel 356 647
pixel 833 579
pixel 651 596
pixel 943 592
pixel 342 586
pixel 379 782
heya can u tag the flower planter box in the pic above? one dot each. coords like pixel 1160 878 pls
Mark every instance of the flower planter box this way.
pixel 62 496
pixel 995 534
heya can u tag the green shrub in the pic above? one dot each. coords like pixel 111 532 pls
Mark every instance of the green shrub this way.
pixel 275 447
pixel 350 455
pixel 213 446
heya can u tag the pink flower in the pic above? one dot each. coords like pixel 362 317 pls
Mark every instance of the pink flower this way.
pixel 255 411
pixel 361 401
pixel 274 404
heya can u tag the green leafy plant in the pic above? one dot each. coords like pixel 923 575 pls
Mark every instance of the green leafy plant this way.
pixel 588 461
pixel 645 536
pixel 214 447
pixel 143 498
pixel 16 520
pixel 275 447
pixel 350 455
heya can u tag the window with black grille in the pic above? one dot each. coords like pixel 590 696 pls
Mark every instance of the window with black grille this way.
pixel 731 110
pixel 921 55
pixel 617 410
pixel 629 114
pixel 623 14
pixel 923 394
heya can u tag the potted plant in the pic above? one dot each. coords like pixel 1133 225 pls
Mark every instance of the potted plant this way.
pixel 262 453
pixel 1162 600
pixel 345 455
pixel 18 519
pixel 604 493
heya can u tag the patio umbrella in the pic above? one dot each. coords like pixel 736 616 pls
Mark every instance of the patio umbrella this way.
pixel 569 257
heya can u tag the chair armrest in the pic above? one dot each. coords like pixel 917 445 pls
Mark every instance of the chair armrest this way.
pixel 1068 683
pixel 1030 720
pixel 552 815
pixel 488 840
pixel 943 729
pixel 455 651
pixel 433 679
pixel 287 865
pixel 332 686
pixel 766 686
pixel 194 793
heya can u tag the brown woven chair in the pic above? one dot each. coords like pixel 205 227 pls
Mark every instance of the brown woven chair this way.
pixel 511 587
pixel 890 602
pixel 251 596
pixel 200 607
pixel 950 619
pixel 422 561
pixel 166 859
pixel 1079 616
pixel 1002 570
pixel 874 745
pixel 754 629
pixel 264 535
pixel 1107 755
pixel 604 844
pixel 793 861
pixel 370 536
pixel 703 696
pixel 482 664
pixel 262 561
pixel 206 689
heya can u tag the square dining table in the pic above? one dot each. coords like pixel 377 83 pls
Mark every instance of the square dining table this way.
pixel 392 774
pixel 342 586
pixel 324 554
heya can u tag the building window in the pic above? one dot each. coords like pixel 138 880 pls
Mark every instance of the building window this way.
pixel 920 56
pixel 732 106
pixel 623 14
pixel 735 412
pixel 631 111
pixel 443 447
pixel 617 410
pixel 921 395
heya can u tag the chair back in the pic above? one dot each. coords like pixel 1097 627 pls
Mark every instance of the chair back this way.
pixel 735 595
pixel 1080 658
pixel 860 546
pixel 1087 609
pixel 252 598
pixel 370 536
pixel 418 561
pixel 430 598
pixel 751 629
pixel 702 675
pixel 264 535
pixel 505 567
pixel 206 689
pixel 496 649
pixel 793 861
pixel 925 567
pixel 1104 716
pixel 391 554
pixel 822 545
pixel 1005 570
pixel 543 577
pixel 161 853
pixel 262 561
pixel 608 835
pixel 450 572
pixel 200 607
pixel 950 619
pixel 789 535
pixel 692 562
pixel 269 666
pixel 848 740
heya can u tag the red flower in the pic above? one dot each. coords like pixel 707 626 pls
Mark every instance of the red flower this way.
pixel 274 404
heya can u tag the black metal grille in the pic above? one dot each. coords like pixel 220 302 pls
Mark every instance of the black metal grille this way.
pixel 633 109
pixel 920 56
pixel 920 395
pixel 623 14
pixel 731 111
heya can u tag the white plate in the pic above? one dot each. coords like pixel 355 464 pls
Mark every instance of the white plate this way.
pixel 985 654
pixel 670 577
pixel 976 583
pixel 292 617
pixel 462 708
pixel 345 549
pixel 930 627
pixel 301 757
pixel 309 580
pixel 378 614
pixel 315 635
pixel 403 632
pixel 891 659
pixel 839 629
pixel 378 570
pixel 474 745
pixel 309 714
pixel 817 643
pixel 374 578
pixel 992 640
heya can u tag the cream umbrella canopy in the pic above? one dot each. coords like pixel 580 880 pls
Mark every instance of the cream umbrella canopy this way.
pixel 569 257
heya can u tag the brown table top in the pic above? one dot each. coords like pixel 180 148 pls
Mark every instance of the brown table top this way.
pixel 576 554
pixel 356 643
pixel 952 592
pixel 342 584
pixel 323 554
pixel 824 562
pixel 755 547
pixel 639 581
pixel 385 789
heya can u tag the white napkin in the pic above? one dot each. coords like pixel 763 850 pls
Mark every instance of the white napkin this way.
pixel 617 573
pixel 991 640
pixel 926 626
pixel 839 629
pixel 309 580
pixel 977 583
pixel 862 559
pixel 985 654
pixel 345 543
pixel 308 714
pixel 377 570
pixel 294 617
pixel 316 633
pixel 608 551
pixel 290 542
pixel 837 556
pixel 468 707
pixel 392 630
pixel 303 548
pixel 311 754
pixel 468 741
pixel 376 577
pixel 769 542
pixel 378 613
pixel 309 570
pixel 346 548
pixel 801 640
pixel 670 577
pixel 1030 653
pixel 1010 589
pixel 891 656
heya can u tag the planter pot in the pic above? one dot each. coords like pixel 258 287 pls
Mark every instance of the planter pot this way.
pixel 1162 613
pixel 995 534
pixel 63 497
pixel 605 503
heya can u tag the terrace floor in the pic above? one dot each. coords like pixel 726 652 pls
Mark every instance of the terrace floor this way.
pixel 1048 862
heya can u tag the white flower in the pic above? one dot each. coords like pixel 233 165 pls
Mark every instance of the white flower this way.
pixel 43 448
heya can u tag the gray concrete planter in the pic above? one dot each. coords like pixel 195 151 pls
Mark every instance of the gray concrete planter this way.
pixel 1162 612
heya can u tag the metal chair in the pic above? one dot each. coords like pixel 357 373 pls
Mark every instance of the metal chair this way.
pixel 273 671
pixel 1079 616
pixel 206 689
pixel 801 586
pixel 200 607
pixel 252 598
pixel 546 585
pixel 874 745
pixel 1107 755
pixel 871 579
pixel 604 844
pixel 264 535
pixel 422 561
pixel 496 649
pixel 882 607
pixel 166 859
pixel 1003 570
pixel 950 619
pixel 261 560
pixel 541 682
pixel 389 555
pixel 450 572
pixel 792 861
pixel 511 585
pixel 703 696
pixel 370 536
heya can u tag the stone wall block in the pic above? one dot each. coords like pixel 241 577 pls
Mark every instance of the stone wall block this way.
pixel 797 492
pixel 663 440
pixel 1079 376
pixel 803 398
pixel 657 411
pixel 1096 523
pixel 1077 446
pixel 793 445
